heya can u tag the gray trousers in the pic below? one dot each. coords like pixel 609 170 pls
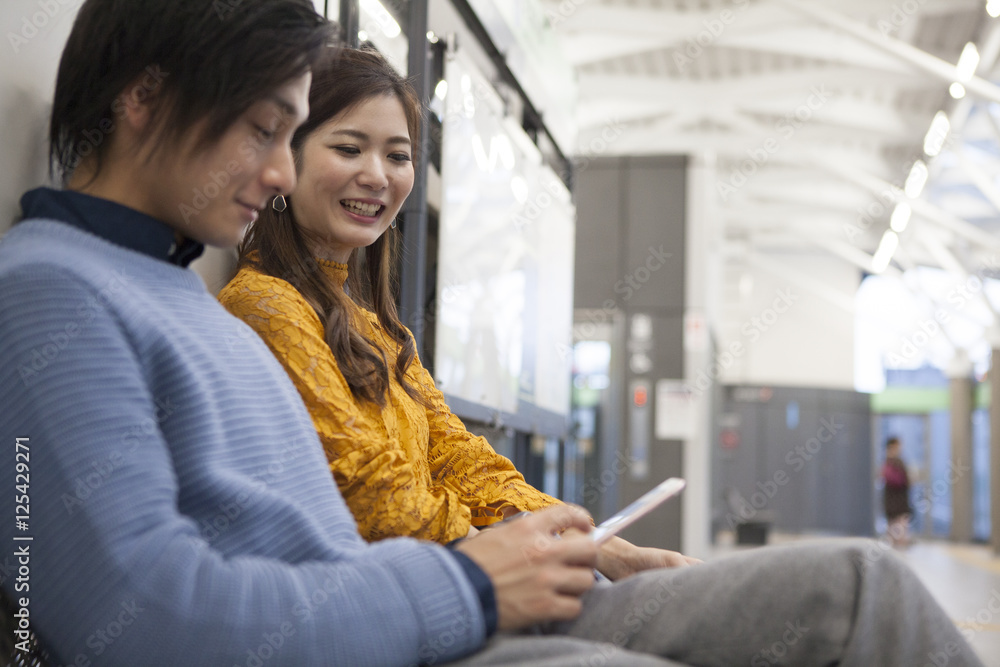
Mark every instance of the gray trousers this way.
pixel 848 602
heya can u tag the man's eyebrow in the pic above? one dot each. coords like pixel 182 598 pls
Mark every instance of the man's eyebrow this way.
pixel 364 137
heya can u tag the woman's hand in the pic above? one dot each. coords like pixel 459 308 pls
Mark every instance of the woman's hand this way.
pixel 618 559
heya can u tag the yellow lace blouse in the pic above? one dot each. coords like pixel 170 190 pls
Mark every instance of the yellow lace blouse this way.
pixel 403 469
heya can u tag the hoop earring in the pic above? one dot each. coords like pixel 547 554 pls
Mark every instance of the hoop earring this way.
pixel 392 225
pixel 279 204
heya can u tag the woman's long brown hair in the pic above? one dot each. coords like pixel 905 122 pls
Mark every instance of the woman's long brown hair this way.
pixel 276 246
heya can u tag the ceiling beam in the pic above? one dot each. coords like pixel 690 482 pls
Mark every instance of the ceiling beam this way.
pixel 802 281
pixel 945 71
pixel 892 194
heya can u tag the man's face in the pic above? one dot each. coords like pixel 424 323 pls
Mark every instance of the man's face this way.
pixel 212 195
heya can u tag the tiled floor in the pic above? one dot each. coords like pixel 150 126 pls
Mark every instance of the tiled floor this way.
pixel 965 579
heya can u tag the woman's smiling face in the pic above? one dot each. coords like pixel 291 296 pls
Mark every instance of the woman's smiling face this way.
pixel 355 172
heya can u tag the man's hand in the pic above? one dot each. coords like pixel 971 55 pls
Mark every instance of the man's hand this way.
pixel 536 575
pixel 619 559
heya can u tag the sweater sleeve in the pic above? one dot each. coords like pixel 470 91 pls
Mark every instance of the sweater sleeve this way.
pixel 486 481
pixel 120 577
pixel 373 471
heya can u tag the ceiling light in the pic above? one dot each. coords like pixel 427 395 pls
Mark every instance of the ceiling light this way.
pixel 890 241
pixel 957 90
pixel 917 179
pixel 900 217
pixel 441 89
pixel 993 8
pixel 937 135
pixel 968 63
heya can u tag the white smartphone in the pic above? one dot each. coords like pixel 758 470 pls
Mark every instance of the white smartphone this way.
pixel 666 489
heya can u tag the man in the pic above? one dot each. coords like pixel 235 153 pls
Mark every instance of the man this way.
pixel 170 503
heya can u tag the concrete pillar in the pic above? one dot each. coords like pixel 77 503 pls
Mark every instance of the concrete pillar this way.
pixel 960 473
pixel 703 276
pixel 995 446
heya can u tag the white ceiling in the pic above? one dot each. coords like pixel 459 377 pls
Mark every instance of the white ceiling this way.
pixel 723 80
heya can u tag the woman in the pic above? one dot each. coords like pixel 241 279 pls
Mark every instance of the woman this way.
pixel 314 281
pixel 896 496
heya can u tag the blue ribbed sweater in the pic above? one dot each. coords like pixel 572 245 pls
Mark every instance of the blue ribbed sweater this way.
pixel 181 509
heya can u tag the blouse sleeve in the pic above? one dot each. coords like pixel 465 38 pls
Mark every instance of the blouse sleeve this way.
pixel 374 474
pixel 466 463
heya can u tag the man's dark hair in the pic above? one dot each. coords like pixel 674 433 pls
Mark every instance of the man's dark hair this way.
pixel 201 59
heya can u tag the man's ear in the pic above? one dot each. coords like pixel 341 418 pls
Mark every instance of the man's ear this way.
pixel 135 104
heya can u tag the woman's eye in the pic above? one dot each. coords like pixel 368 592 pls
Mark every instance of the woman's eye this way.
pixel 347 150
pixel 400 157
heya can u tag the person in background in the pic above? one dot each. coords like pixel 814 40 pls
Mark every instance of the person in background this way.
pixel 315 282
pixel 177 505
pixel 896 494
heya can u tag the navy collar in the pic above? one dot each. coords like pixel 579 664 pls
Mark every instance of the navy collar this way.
pixel 111 221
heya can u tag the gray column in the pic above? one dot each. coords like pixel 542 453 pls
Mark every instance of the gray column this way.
pixel 995 447
pixel 960 474
pixel 414 269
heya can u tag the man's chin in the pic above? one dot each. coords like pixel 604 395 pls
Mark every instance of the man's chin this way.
pixel 222 238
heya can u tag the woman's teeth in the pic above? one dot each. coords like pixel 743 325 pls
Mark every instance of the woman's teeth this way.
pixel 361 208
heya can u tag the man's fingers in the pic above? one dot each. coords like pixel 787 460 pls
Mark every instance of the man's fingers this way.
pixel 559 518
pixel 576 582
pixel 577 550
pixel 565 608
